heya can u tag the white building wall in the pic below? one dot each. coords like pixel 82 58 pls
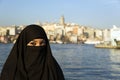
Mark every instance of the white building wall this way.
pixel 12 30
pixel 2 31
pixel 115 34
pixel 99 33
pixel 67 29
pixel 106 35
pixel 73 38
pixel 80 31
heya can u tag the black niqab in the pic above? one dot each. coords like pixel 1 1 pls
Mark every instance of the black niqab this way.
pixel 30 62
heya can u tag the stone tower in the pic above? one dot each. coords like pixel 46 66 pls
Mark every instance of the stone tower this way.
pixel 62 20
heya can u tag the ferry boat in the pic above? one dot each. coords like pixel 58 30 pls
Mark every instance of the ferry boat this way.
pixel 109 45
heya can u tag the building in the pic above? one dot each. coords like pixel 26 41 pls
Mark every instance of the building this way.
pixel 106 35
pixel 115 35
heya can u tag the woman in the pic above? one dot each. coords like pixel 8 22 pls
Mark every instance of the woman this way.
pixel 31 58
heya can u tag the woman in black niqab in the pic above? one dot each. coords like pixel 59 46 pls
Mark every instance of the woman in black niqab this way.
pixel 31 62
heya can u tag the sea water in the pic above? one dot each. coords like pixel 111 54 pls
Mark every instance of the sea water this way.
pixel 80 61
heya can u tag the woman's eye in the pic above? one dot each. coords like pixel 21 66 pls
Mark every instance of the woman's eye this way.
pixel 37 43
pixel 33 43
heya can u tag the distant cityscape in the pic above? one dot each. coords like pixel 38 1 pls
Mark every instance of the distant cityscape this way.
pixel 63 32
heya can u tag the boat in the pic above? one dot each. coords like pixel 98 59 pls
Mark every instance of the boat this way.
pixel 106 46
pixel 109 45
pixel 92 42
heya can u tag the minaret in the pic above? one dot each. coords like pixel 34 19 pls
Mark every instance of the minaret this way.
pixel 62 20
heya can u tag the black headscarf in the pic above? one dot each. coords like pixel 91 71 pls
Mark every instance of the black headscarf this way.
pixel 30 62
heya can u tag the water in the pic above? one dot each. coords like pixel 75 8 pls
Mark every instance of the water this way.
pixel 80 61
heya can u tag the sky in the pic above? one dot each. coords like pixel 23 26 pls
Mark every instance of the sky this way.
pixel 93 13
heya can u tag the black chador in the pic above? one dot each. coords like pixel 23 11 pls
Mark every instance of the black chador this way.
pixel 31 62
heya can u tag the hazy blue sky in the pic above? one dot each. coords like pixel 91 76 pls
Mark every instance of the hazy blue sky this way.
pixel 94 13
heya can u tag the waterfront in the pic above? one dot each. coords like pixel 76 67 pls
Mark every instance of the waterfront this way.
pixel 80 61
